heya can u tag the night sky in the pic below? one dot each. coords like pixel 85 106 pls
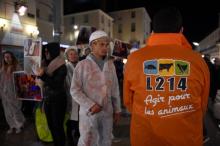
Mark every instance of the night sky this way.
pixel 199 19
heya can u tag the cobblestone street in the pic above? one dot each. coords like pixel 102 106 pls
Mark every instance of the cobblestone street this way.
pixel 28 136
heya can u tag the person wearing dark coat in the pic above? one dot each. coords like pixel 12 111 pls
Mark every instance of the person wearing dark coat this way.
pixel 55 100
pixel 212 70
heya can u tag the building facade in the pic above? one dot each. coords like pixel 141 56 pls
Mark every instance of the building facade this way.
pixel 49 18
pixel 131 25
pixel 211 43
pixel 94 18
pixel 44 14
pixel 43 18
pixel 14 29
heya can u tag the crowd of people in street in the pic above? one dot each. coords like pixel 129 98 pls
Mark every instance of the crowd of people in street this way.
pixel 165 86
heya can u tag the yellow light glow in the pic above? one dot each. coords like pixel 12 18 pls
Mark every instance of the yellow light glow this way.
pixel 71 37
pixel 3 23
pixel 76 33
pixel 75 27
pixel 32 30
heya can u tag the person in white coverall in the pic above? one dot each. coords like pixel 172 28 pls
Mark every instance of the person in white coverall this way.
pixel 72 56
pixel 95 88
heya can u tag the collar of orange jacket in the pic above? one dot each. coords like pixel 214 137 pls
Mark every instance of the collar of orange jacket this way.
pixel 168 39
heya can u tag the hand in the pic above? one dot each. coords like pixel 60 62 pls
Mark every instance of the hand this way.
pixel 117 117
pixel 95 109
pixel 39 71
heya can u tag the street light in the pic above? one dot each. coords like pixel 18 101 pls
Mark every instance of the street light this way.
pixel 75 27
pixel 196 44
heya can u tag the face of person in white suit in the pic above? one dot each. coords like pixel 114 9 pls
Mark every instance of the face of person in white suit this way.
pixel 100 47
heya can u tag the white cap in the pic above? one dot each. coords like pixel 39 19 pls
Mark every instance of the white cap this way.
pixel 97 35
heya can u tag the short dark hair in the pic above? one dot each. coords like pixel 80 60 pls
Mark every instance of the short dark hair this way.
pixel 167 20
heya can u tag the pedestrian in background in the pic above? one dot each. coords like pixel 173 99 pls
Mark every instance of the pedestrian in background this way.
pixel 11 105
pixel 217 68
pixel 86 52
pixel 72 57
pixel 166 87
pixel 53 76
pixel 213 77
pixel 216 103
pixel 212 91
pixel 119 67
pixel 95 88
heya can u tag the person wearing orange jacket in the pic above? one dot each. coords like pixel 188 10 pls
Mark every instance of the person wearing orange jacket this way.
pixel 166 86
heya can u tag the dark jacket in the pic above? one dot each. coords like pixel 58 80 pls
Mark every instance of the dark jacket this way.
pixel 54 85
pixel 213 84
pixel 54 92
pixel 218 78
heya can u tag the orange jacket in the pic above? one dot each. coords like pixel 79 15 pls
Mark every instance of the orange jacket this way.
pixel 166 86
